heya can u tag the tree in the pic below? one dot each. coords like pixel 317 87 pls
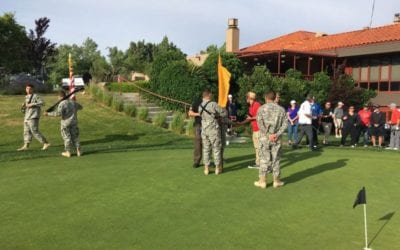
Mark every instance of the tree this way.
pixel 14 45
pixel 259 82
pixel 86 59
pixel 230 61
pixel 181 81
pixel 343 90
pixel 165 53
pixel 41 49
pixel 117 59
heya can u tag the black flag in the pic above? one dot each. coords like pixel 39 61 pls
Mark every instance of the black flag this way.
pixel 361 198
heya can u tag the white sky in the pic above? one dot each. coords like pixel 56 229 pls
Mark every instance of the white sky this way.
pixel 194 24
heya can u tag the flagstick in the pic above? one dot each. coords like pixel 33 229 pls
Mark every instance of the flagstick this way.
pixel 365 227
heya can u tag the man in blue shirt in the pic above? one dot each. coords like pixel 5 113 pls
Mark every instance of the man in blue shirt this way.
pixel 316 112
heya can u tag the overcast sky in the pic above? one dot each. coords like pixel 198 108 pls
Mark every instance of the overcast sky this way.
pixel 194 24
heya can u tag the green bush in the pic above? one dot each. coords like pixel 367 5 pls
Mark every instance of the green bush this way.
pixel 190 127
pixel 96 92
pixel 143 113
pixel 178 122
pixel 181 81
pixel 107 98
pixel 159 119
pixel 117 103
pixel 130 109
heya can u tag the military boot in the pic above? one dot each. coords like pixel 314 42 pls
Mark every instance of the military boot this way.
pixel 206 171
pixel 218 170
pixel 278 182
pixel 261 183
pixel 46 146
pixel 78 152
pixel 25 147
pixel 66 154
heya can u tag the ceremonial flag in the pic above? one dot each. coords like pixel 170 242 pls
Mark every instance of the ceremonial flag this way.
pixel 71 77
pixel 361 198
pixel 224 76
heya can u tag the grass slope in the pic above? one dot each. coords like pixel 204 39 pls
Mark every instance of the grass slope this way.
pixel 134 189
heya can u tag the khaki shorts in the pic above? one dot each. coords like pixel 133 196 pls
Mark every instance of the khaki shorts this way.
pixel 338 123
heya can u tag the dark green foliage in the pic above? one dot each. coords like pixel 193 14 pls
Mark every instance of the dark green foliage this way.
pixel 320 86
pixel 343 90
pixel 178 122
pixel 14 45
pixel 41 49
pixel 260 81
pixel 181 81
pixel 229 61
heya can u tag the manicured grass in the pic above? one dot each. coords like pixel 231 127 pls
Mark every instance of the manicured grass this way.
pixel 135 189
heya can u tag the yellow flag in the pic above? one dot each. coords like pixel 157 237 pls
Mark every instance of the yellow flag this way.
pixel 224 76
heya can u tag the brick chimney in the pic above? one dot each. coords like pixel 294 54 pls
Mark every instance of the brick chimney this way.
pixel 232 35
pixel 396 18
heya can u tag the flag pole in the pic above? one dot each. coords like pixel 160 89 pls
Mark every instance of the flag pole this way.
pixel 365 228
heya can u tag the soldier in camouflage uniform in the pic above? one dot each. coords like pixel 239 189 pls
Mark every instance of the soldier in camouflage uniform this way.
pixel 31 107
pixel 67 109
pixel 210 132
pixel 272 121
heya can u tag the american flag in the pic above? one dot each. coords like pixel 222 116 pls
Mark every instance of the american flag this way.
pixel 71 77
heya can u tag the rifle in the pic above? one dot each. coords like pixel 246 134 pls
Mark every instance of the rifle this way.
pixel 52 108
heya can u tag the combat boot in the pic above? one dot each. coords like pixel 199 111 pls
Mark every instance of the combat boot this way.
pixel 46 146
pixel 66 154
pixel 278 182
pixel 261 183
pixel 25 147
pixel 78 152
pixel 206 171
pixel 218 170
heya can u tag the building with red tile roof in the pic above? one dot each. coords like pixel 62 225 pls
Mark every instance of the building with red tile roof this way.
pixel 370 55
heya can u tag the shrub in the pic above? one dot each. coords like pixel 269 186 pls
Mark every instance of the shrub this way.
pixel 159 119
pixel 190 127
pixel 117 103
pixel 107 98
pixel 178 122
pixel 130 109
pixel 143 113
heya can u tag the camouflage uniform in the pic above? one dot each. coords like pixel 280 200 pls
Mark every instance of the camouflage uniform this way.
pixel 67 109
pixel 210 131
pixel 31 119
pixel 271 119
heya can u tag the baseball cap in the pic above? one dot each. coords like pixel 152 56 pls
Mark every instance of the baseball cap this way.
pixel 292 102
pixel 393 105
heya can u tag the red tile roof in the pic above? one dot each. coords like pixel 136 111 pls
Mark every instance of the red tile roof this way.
pixel 303 41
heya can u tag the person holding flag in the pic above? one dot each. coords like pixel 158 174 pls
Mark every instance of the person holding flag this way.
pixel 67 109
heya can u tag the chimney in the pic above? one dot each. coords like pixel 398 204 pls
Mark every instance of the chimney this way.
pixel 232 35
pixel 396 18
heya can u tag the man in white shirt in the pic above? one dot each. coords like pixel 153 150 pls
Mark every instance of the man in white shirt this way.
pixel 305 123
